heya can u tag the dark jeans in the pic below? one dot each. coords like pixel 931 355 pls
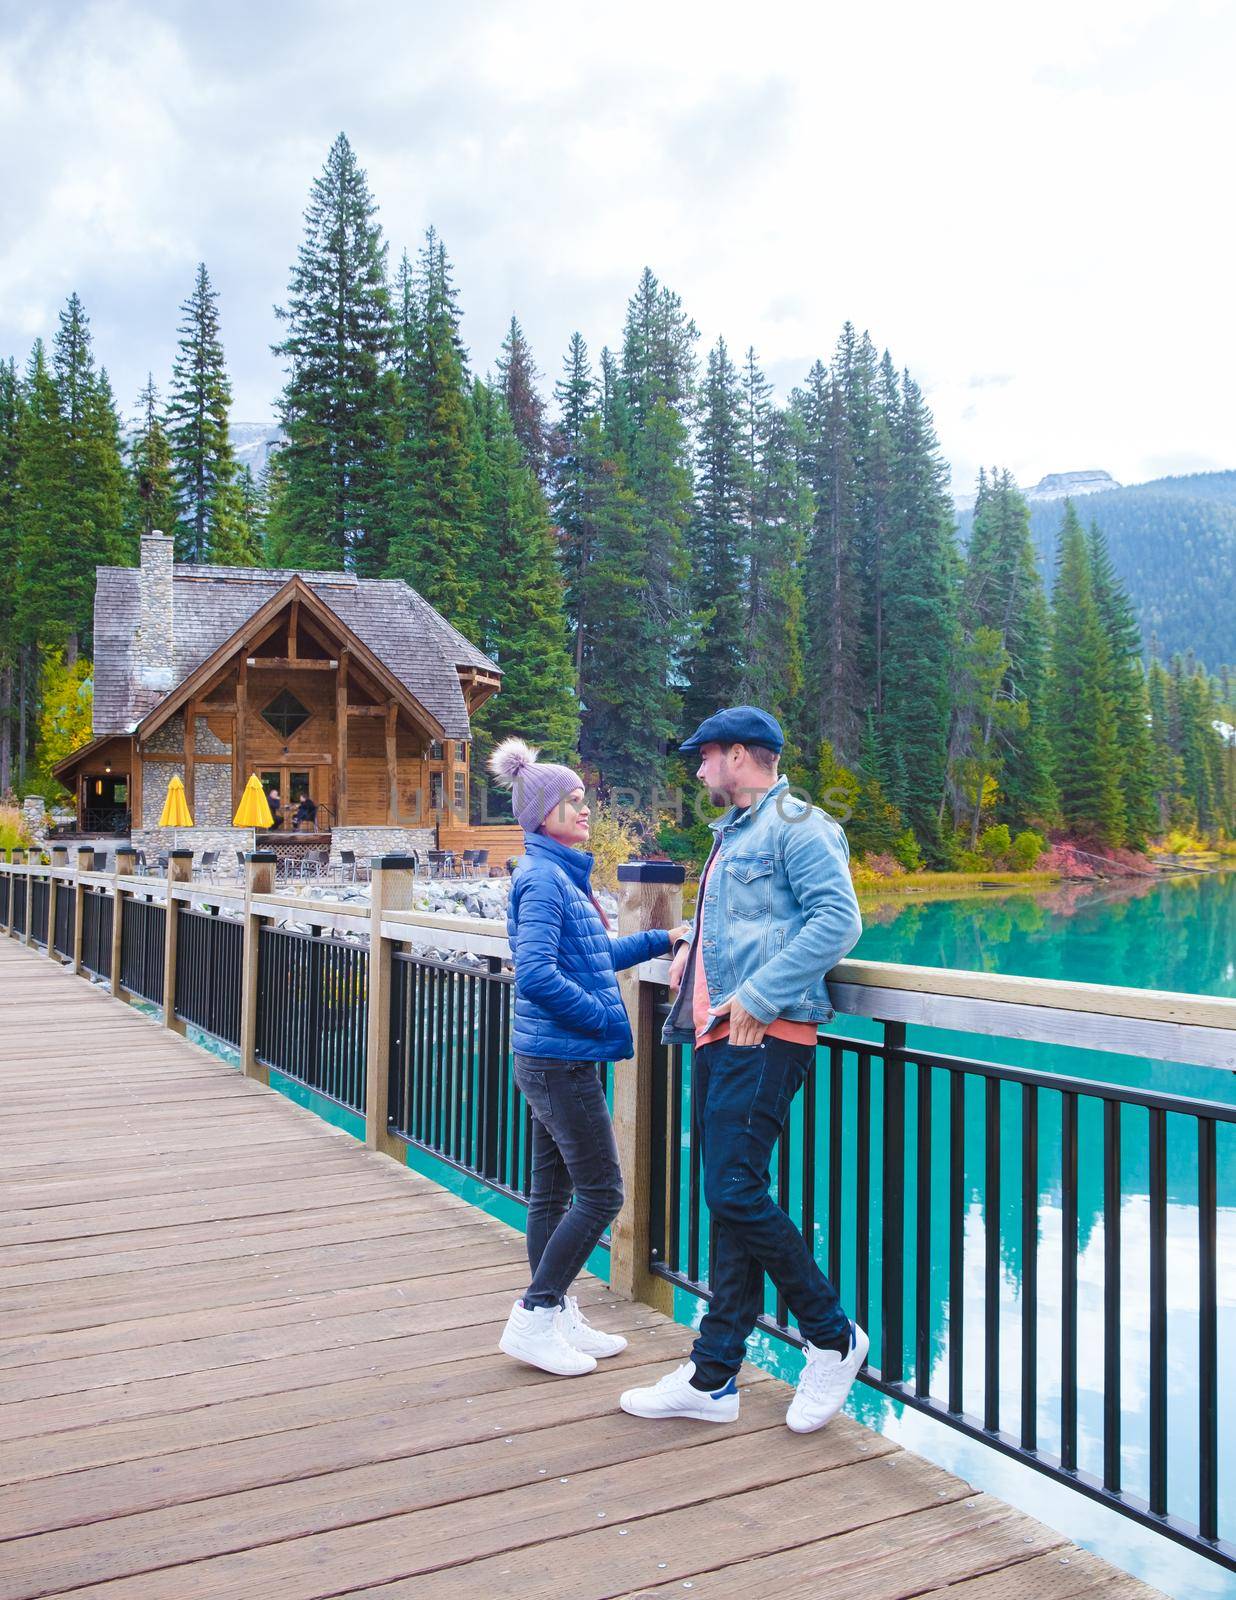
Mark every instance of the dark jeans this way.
pixel 741 1098
pixel 573 1153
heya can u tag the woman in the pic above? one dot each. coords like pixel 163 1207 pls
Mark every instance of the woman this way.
pixel 569 1017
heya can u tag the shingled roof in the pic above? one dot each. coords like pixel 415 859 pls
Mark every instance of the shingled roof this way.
pixel 412 640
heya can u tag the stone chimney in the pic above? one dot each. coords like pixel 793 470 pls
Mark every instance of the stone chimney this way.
pixel 153 641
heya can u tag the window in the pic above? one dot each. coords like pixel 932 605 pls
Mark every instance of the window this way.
pixel 285 714
pixel 459 792
pixel 435 750
pixel 435 791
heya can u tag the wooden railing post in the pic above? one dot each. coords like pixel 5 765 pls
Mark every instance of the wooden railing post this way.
pixel 59 863
pixel 259 879
pixel 32 860
pixel 179 870
pixel 391 889
pixel 650 897
pixel 8 914
pixel 85 863
pixel 126 862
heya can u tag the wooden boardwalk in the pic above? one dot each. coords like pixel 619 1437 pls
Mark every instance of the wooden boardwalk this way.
pixel 241 1356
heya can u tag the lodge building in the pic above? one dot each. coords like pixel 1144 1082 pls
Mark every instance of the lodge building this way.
pixel 352 691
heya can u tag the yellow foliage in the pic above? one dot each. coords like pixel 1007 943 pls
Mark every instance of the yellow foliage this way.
pixel 68 702
pixel 13 832
pixel 611 842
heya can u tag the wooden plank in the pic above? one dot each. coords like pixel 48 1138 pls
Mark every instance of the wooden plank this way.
pixel 247 1356
pixel 341 737
pixel 392 767
pixel 190 753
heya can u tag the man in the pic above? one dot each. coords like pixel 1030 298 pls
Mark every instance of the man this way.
pixel 776 910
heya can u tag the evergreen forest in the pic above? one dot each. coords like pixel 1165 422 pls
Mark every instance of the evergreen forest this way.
pixel 638 536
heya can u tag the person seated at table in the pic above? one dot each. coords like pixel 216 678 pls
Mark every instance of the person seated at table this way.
pixel 306 811
pixel 276 810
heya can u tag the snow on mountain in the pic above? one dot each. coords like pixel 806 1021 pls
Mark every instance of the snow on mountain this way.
pixel 252 443
pixel 1055 486
pixel 1059 485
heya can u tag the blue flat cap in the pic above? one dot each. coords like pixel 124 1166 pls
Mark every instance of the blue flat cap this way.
pixel 736 725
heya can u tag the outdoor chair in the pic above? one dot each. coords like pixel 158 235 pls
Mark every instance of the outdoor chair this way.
pixel 208 866
pixel 100 861
pixel 438 861
pixel 480 863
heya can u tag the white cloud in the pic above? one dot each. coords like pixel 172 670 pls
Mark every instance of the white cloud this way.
pixel 1029 208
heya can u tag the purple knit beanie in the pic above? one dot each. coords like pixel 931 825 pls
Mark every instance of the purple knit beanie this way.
pixel 536 786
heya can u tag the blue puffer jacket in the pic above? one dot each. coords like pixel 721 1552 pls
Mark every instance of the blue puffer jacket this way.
pixel 568 1006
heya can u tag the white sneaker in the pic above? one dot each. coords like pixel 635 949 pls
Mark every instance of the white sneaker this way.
pixel 825 1381
pixel 673 1396
pixel 581 1335
pixel 537 1338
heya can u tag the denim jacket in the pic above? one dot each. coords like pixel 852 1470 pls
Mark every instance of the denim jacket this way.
pixel 779 911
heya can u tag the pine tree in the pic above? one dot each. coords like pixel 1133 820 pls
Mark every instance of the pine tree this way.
pixel 517 377
pixel 203 466
pixel 436 546
pixel 647 415
pixel 779 519
pixel 1127 688
pixel 338 404
pixel 10 446
pixel 524 622
pixel 998 723
pixel 91 491
pixel 1085 745
pixel 714 668
pixel 576 396
pixel 920 610
pixel 45 542
pixel 627 710
pixel 152 491
pixel 834 696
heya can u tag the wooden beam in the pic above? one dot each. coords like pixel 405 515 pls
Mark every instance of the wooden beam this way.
pixel 292 624
pixel 366 711
pixel 392 769
pixel 281 664
pixel 341 738
pixel 190 752
pixel 239 775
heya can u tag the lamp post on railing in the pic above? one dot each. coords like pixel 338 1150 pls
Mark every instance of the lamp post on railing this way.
pixel 391 889
pixel 126 866
pixel 85 863
pixel 650 897
pixel 179 870
pixel 259 879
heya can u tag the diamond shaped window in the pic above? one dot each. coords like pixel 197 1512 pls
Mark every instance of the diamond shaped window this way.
pixel 285 714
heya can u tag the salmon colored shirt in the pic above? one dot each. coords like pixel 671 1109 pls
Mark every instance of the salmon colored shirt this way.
pixel 794 1032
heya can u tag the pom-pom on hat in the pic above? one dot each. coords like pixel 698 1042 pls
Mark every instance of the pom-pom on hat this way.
pixel 536 786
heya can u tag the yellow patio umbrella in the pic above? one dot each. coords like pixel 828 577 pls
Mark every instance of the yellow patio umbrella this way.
pixel 254 808
pixel 175 808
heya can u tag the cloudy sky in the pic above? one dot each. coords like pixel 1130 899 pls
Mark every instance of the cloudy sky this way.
pixel 1030 206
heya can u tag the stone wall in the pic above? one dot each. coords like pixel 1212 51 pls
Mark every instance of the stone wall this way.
pixel 154 656
pixel 211 803
pixel 375 841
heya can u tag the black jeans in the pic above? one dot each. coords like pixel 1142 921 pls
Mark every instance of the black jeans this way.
pixel 573 1153
pixel 741 1099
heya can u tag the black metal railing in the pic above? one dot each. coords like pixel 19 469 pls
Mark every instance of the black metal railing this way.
pixel 142 932
pixel 106 819
pixel 20 901
pixel 39 895
pixel 66 900
pixel 98 909
pixel 929 1184
pixel 312 1016
pixel 452 1089
pixel 5 883
pixel 209 951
